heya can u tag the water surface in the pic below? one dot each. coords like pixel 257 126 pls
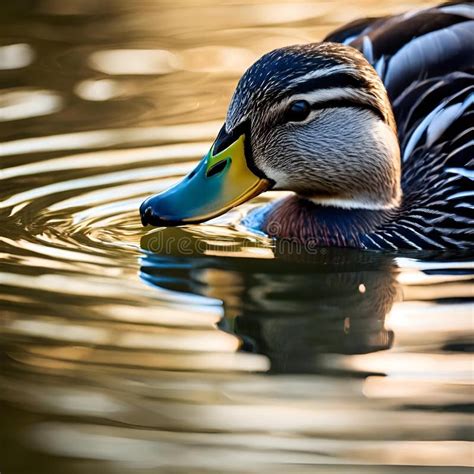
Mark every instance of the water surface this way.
pixel 205 349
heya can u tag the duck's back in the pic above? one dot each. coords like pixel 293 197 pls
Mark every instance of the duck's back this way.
pixel 426 61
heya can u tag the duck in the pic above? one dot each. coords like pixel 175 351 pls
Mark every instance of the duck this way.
pixel 371 130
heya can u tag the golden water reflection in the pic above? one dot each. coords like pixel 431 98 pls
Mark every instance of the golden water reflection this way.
pixel 160 380
pixel 16 56
pixel 208 349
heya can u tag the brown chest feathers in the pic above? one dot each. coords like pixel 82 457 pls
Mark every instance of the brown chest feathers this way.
pixel 302 220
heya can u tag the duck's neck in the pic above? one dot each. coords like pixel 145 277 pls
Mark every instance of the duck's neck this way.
pixel 300 219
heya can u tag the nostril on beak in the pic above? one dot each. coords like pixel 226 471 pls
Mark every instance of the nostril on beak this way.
pixel 146 216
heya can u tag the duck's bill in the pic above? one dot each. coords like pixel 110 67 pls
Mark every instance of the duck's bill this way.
pixel 220 182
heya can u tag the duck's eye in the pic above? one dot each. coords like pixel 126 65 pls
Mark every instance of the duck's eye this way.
pixel 297 111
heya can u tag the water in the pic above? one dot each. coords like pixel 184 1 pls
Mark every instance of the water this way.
pixel 205 349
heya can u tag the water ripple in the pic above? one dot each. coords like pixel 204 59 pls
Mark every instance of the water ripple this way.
pixel 206 348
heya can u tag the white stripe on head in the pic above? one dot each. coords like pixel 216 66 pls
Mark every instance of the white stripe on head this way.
pixel 334 93
pixel 324 72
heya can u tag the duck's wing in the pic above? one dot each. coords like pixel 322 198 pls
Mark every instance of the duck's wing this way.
pixel 416 45
pixel 350 32
pixel 436 128
pixel 426 60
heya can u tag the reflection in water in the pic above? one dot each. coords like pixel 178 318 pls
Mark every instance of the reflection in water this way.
pixel 21 104
pixel 16 56
pixel 109 138
pixel 100 89
pixel 290 308
pixel 134 61
pixel 159 386
pixel 205 349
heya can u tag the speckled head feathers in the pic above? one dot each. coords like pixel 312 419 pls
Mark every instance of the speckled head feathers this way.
pixel 302 69
pixel 344 151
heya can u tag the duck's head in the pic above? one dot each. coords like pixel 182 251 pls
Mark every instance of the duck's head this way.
pixel 313 119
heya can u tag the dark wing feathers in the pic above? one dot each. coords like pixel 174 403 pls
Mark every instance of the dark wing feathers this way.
pixel 426 60
pixel 353 30
pixel 433 54
pixel 393 36
pixel 438 203
pixel 416 102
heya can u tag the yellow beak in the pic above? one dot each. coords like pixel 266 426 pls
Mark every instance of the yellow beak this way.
pixel 220 182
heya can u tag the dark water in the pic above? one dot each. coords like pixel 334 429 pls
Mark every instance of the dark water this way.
pixel 205 349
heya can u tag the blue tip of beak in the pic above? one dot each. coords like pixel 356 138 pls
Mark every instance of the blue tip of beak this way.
pixel 146 214
pixel 150 217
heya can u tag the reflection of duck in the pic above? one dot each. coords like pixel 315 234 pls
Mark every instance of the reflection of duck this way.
pixel 317 120
pixel 290 309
